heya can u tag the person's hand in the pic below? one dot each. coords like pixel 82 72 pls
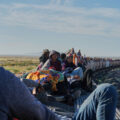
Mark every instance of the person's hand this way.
pixel 76 77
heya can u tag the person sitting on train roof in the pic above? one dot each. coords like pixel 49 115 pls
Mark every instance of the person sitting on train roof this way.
pixel 53 62
pixel 70 67
pixel 43 58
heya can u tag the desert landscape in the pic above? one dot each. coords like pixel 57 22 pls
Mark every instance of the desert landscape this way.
pixel 19 64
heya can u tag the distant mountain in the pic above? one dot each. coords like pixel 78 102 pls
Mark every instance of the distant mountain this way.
pixel 33 54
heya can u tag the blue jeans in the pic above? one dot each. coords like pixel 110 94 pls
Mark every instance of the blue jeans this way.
pixel 100 105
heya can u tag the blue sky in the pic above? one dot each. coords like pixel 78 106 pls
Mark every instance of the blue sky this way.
pixel 29 26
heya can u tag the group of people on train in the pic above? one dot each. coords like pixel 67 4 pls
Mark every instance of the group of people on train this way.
pixel 74 70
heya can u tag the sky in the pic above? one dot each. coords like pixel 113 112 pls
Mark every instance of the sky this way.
pixel 29 26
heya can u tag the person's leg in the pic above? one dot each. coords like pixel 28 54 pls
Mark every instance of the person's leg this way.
pixel 100 105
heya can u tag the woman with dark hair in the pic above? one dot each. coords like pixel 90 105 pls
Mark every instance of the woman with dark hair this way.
pixel 63 57
pixel 53 62
pixel 75 72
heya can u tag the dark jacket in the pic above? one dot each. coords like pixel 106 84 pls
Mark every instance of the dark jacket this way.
pixel 56 65
pixel 43 59
pixel 17 101
pixel 70 65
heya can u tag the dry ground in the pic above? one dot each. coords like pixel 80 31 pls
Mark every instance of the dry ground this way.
pixel 19 65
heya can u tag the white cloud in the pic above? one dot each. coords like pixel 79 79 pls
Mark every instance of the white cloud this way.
pixel 61 2
pixel 60 18
pixel 58 2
